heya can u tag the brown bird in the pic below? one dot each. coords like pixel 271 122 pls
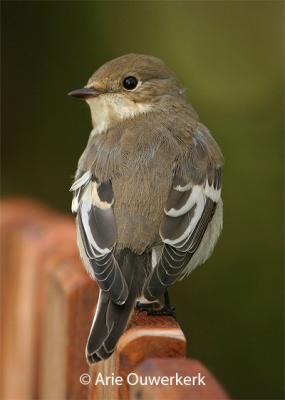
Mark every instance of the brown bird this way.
pixel 147 191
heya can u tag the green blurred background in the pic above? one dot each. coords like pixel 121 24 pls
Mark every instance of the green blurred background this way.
pixel 229 55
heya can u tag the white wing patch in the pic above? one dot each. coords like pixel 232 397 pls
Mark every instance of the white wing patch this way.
pixel 81 181
pixel 196 196
pixel 85 208
pixel 212 192
pixel 183 188
pixel 78 187
pixel 87 190
pixel 194 204
pixel 103 205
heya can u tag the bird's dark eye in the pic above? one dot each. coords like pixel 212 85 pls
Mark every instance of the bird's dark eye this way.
pixel 130 83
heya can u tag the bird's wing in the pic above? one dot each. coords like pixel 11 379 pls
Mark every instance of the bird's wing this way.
pixel 189 209
pixel 93 200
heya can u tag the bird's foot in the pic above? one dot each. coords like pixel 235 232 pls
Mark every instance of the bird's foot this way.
pixel 147 307
pixel 165 311
pixel 156 309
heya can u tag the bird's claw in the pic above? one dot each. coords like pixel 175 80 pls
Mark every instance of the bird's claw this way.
pixel 156 309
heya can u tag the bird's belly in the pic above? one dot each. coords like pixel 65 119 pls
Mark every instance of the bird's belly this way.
pixel 139 202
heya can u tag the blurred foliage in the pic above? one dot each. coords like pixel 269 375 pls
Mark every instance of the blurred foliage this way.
pixel 229 55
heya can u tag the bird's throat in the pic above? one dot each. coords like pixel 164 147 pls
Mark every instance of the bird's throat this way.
pixel 109 109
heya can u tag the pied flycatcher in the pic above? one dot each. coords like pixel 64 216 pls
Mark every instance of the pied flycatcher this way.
pixel 147 191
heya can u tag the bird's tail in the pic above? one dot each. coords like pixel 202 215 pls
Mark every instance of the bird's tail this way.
pixel 111 319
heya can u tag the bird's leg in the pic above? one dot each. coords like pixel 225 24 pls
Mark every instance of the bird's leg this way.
pixel 167 308
pixel 167 305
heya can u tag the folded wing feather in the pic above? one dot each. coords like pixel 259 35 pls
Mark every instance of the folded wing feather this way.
pixel 187 214
pixel 97 233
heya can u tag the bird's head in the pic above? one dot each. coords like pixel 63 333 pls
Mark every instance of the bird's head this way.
pixel 127 86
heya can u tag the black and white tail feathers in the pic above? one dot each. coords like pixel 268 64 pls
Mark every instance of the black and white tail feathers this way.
pixel 111 319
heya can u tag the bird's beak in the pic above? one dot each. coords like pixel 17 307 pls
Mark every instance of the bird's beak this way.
pixel 84 93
